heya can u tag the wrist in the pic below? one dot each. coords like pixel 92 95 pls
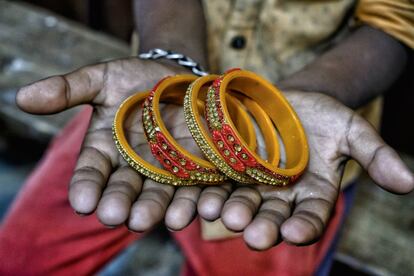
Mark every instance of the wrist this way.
pixel 177 26
pixel 314 79
pixel 355 71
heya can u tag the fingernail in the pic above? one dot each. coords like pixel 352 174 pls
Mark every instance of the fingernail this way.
pixel 79 214
pixel 134 232
pixel 110 226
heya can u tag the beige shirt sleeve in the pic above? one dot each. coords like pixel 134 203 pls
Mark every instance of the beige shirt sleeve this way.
pixel 395 17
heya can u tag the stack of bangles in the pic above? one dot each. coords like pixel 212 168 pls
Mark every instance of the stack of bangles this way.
pixel 221 113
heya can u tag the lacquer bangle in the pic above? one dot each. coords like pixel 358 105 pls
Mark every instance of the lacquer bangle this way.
pixel 203 139
pixel 230 144
pixel 172 156
pixel 129 154
pixel 265 124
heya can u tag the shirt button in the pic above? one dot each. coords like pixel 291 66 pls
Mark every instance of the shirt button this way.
pixel 238 42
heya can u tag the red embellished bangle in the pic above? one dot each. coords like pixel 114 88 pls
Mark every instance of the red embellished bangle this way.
pixel 231 146
pixel 203 139
pixel 171 155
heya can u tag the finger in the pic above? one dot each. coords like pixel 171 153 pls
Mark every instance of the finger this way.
pixel 89 178
pixel 308 221
pixel 211 201
pixel 150 207
pixel 183 207
pixel 239 209
pixel 58 93
pixel 123 187
pixel 382 162
pixel 263 232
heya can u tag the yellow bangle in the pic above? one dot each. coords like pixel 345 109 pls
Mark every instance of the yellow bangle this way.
pixel 171 155
pixel 229 143
pixel 128 153
pixel 266 126
pixel 203 139
pixel 242 122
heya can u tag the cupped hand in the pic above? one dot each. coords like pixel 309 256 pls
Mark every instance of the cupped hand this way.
pixel 102 180
pixel 298 214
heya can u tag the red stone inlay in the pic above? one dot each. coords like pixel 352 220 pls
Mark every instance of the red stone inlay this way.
pixel 162 149
pixel 226 130
pixel 219 137
pixel 161 139
pixel 217 82
pixel 222 134
pixel 161 156
pixel 239 163
pixel 217 102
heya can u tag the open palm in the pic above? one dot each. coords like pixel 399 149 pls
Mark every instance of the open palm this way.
pixel 299 213
pixel 102 181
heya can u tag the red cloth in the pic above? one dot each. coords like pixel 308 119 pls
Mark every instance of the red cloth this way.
pixel 41 235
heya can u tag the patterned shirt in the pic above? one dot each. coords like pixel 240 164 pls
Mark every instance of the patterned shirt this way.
pixel 276 38
pixel 273 38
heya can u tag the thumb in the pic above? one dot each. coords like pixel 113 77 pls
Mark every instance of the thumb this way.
pixel 58 93
pixel 382 163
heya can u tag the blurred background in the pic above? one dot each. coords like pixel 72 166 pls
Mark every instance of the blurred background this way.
pixel 39 38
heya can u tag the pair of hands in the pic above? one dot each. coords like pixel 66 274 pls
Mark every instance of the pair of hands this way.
pixel 298 214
